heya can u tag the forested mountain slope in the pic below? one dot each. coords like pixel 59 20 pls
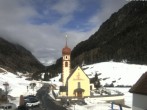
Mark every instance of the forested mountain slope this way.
pixel 16 58
pixel 122 37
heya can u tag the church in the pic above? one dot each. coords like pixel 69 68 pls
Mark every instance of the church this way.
pixel 75 83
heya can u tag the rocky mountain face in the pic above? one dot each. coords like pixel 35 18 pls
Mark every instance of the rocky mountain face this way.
pixel 122 37
pixel 16 58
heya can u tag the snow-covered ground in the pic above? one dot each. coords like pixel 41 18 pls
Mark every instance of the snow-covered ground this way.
pixel 122 73
pixel 127 95
pixel 119 73
pixel 17 85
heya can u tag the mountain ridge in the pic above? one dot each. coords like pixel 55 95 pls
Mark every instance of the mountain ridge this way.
pixel 121 37
pixel 15 58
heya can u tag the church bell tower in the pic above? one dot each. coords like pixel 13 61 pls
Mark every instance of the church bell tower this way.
pixel 66 51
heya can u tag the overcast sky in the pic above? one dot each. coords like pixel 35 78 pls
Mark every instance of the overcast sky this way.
pixel 41 25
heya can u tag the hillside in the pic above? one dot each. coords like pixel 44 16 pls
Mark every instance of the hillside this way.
pixel 14 57
pixel 121 37
pixel 119 74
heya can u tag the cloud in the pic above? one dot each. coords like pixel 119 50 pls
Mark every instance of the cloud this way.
pixel 41 26
pixel 65 7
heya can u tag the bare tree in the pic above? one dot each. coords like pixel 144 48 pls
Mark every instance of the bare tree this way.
pixel 7 89
pixel 33 84
pixel 97 83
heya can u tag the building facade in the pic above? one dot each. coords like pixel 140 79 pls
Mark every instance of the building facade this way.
pixel 139 91
pixel 78 84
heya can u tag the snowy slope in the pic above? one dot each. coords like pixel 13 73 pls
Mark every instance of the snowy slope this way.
pixel 120 73
pixel 17 85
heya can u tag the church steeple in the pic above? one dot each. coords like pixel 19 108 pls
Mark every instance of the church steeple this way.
pixel 66 41
pixel 66 50
pixel 65 62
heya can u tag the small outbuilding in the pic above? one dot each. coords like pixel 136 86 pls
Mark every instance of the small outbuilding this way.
pixel 139 91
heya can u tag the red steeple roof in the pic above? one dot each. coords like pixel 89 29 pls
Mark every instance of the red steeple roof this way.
pixel 66 50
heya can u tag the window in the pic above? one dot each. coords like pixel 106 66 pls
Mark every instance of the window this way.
pixel 66 64
pixel 79 85
pixel 9 107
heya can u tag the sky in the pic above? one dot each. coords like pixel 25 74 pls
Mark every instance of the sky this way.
pixel 41 25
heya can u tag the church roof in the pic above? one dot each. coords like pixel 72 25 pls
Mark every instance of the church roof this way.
pixel 73 73
pixel 141 85
pixel 66 50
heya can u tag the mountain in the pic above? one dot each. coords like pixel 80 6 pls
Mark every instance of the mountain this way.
pixel 121 37
pixel 16 58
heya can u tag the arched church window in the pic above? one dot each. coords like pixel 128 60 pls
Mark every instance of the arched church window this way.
pixel 66 64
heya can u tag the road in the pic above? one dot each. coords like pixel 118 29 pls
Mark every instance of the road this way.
pixel 46 101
